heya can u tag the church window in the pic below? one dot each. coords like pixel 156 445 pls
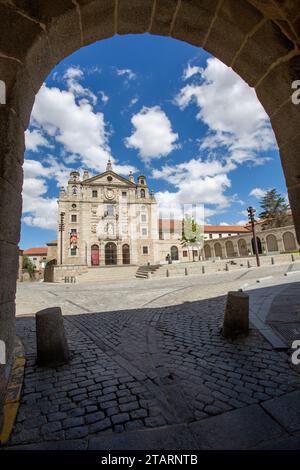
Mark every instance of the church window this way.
pixel 124 194
pixel 144 218
pixel 110 210
pixel 94 193
pixel 73 218
pixel 142 181
pixel 184 253
pixel 109 178
pixel 144 231
pixel 74 206
pixel 74 190
pixel 145 250
pixel 74 251
pixel 142 193
pixel 73 230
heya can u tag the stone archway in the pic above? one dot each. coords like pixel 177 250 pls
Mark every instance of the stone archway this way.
pixel 259 245
pixel 272 244
pixel 258 39
pixel 229 249
pixel 289 241
pixel 218 249
pixel 174 253
pixel 207 251
pixel 242 246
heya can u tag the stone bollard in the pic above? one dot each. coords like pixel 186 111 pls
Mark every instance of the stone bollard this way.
pixel 203 269
pixel 186 271
pixel 226 267
pixel 236 318
pixel 52 345
pixel 167 273
pixel 272 260
pixel 293 257
pixel 248 264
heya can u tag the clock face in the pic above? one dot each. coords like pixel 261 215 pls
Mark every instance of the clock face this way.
pixel 109 193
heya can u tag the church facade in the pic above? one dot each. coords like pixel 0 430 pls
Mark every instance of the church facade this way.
pixel 109 220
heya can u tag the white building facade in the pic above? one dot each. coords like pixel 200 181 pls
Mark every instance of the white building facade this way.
pixel 107 220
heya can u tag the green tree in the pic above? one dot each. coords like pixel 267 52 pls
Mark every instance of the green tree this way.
pixel 275 209
pixel 192 234
pixel 28 265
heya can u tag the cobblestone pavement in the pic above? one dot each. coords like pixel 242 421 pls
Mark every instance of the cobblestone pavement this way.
pixel 146 368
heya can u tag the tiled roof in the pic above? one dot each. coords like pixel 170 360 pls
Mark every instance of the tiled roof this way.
pixel 37 251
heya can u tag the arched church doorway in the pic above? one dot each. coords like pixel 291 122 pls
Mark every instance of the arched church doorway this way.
pixel 110 253
pixel 174 253
pixel 126 254
pixel 95 258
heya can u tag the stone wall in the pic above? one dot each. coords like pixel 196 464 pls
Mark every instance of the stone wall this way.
pixel 55 273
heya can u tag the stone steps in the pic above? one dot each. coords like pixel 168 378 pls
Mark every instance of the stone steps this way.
pixel 144 272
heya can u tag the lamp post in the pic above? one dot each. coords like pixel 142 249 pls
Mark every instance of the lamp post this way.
pixel 251 212
pixel 61 228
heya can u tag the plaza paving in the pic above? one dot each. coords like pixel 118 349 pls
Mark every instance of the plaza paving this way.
pixel 150 368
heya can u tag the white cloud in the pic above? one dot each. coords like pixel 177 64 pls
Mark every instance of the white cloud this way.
pixel 197 183
pixel 74 125
pixel 232 112
pixel 133 101
pixel 38 209
pixel 35 139
pixel 72 77
pixel 104 97
pixel 258 192
pixel 128 73
pixel 153 136
pixel 190 71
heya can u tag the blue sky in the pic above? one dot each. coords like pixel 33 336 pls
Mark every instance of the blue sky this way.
pixel 156 106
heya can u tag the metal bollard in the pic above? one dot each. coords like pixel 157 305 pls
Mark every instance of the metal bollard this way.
pixel 272 260
pixel 186 271
pixel 167 273
pixel 248 264
pixel 293 257
pixel 203 269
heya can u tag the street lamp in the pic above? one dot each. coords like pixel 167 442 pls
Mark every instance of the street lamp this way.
pixel 251 215
pixel 61 228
